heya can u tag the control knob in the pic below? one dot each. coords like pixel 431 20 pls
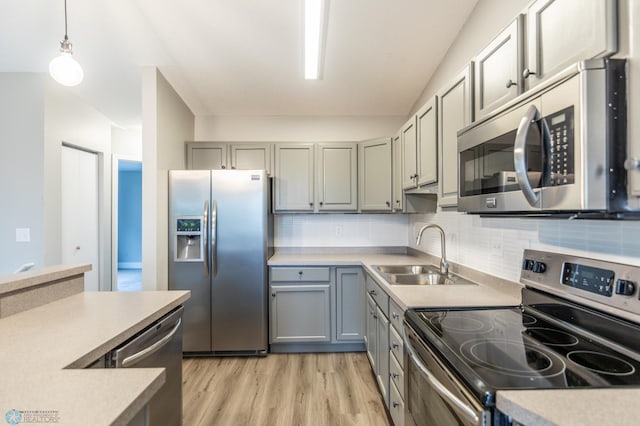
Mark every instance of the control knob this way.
pixel 625 287
pixel 539 267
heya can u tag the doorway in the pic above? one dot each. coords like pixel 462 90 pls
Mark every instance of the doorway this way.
pixel 80 191
pixel 127 224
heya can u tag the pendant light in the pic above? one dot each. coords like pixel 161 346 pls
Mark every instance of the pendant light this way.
pixel 64 69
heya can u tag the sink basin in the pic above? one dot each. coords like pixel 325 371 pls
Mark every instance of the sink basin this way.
pixel 406 269
pixel 431 278
pixel 418 275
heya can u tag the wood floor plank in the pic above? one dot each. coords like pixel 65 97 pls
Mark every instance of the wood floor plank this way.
pixel 282 389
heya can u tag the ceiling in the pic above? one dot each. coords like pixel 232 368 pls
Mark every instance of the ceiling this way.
pixel 238 57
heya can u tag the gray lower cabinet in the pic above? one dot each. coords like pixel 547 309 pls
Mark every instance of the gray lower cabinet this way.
pixel 378 335
pixel 300 304
pixel 300 313
pixel 316 309
pixel 350 318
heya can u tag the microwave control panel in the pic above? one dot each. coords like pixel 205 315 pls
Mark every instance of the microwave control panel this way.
pixel 561 153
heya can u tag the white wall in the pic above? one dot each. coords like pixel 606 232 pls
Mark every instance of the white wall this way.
pixel 294 128
pixel 126 143
pixel 69 119
pixel 166 123
pixel 21 169
pixel 341 230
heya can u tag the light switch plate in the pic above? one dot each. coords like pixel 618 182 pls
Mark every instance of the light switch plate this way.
pixel 23 235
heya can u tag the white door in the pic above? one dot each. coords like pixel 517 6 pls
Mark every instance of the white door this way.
pixel 80 215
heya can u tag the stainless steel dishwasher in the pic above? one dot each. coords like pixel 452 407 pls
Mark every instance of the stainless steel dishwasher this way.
pixel 157 346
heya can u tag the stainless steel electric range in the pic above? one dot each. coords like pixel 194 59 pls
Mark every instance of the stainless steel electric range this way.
pixel 578 326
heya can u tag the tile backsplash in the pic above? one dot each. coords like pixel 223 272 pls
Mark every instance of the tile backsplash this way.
pixel 340 230
pixel 495 245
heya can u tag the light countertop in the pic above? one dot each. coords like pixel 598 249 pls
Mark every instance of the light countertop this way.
pixel 45 349
pixel 489 292
pixel 24 280
pixel 583 407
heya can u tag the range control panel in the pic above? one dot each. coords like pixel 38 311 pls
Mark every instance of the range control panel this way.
pixel 612 284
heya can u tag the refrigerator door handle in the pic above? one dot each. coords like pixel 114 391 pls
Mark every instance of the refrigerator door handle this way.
pixel 205 234
pixel 214 238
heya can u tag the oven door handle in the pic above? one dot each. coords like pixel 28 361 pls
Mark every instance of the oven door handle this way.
pixel 439 387
pixel 520 156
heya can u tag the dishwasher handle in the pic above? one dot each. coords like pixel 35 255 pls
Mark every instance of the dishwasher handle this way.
pixel 445 393
pixel 149 350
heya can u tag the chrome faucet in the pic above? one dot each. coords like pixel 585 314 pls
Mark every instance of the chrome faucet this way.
pixel 444 265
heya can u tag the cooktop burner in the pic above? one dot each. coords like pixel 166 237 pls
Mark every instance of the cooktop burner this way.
pixel 602 363
pixel 522 348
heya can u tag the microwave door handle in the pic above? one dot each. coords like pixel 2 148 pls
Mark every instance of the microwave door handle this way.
pixel 439 387
pixel 520 157
pixel 205 233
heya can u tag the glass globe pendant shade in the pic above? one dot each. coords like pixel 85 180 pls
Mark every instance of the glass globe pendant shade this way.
pixel 64 69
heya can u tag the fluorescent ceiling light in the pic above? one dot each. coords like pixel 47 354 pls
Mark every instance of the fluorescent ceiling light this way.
pixel 314 11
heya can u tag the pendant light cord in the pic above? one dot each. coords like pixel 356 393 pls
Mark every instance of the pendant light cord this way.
pixel 65 20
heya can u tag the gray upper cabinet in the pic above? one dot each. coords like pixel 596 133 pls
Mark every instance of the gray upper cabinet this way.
pixel 223 155
pixel 562 32
pixel 374 166
pixel 427 143
pixel 408 138
pixel 206 155
pixel 337 176
pixel 498 76
pixel 455 112
pixel 398 196
pixel 247 156
pixel 294 177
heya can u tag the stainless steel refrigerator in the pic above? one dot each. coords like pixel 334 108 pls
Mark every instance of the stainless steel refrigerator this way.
pixel 220 237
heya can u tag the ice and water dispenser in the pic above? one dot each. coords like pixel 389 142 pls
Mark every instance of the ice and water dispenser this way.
pixel 189 239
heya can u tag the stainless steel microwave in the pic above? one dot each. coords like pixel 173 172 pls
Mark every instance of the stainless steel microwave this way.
pixel 558 149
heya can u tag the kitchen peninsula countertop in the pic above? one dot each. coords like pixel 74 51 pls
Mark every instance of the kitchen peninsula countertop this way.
pixel 46 348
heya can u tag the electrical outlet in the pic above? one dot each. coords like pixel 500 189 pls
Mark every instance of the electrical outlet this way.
pixel 496 246
pixel 338 230
pixel 23 235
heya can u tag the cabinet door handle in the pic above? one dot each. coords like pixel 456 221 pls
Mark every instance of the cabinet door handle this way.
pixel 375 316
pixel 233 167
pixel 224 167
pixel 273 295
pixel 394 315
pixel 372 292
pixel 527 72
pixel 395 375
pixel 510 83
pixel 310 204
pixel 395 346
pixel 388 203
pixel 396 404
pixel 320 203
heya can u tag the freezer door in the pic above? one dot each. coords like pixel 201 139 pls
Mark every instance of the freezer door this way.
pixel 189 194
pixel 239 253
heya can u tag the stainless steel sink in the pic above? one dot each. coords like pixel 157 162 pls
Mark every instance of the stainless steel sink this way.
pixel 418 275
pixel 406 269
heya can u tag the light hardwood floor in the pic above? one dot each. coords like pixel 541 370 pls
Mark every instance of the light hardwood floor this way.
pixel 281 389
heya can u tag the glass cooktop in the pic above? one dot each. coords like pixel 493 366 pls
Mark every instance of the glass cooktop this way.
pixel 524 348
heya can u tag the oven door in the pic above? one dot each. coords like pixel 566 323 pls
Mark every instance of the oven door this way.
pixel 502 162
pixel 433 395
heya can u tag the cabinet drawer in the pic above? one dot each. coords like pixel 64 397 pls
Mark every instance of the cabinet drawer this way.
pixel 396 374
pixel 396 346
pixel 395 315
pixel 299 274
pixel 378 295
pixel 396 406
